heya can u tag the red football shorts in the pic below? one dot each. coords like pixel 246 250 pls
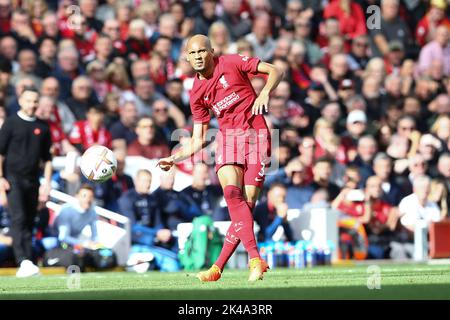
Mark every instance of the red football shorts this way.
pixel 249 149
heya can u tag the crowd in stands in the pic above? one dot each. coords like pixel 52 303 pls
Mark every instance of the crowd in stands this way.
pixel 363 112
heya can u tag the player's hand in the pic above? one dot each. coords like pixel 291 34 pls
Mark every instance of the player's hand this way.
pixel 261 104
pixel 4 184
pixel 165 163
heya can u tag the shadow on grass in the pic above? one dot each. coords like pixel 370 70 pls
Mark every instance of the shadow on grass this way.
pixel 395 292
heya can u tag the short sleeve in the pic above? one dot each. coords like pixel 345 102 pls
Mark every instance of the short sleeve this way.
pixel 244 63
pixel 200 114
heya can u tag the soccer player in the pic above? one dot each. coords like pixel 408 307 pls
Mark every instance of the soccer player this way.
pixel 222 85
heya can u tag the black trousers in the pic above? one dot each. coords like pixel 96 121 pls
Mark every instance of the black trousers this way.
pixel 22 207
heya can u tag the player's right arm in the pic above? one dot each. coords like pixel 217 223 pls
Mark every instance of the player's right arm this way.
pixel 196 144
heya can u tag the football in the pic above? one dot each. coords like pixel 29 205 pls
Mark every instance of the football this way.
pixel 98 163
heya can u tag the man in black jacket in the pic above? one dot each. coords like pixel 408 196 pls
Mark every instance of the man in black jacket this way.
pixel 25 142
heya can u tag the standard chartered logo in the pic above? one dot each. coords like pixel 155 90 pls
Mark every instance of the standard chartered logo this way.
pixel 225 103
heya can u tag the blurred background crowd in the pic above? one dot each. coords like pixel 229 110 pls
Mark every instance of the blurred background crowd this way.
pixel 363 112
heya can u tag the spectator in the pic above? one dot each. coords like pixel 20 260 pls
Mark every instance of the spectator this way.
pixel 175 206
pixel 358 56
pixel 441 128
pixel 47 112
pixel 66 70
pixel 392 27
pixel 50 88
pixel 438 49
pixel 322 170
pixel 123 131
pixel 137 44
pixel 271 214
pixel 167 27
pixel 174 91
pixel 72 219
pixel 382 166
pixel 146 144
pixel 260 38
pixel 163 122
pixel 205 195
pixel 145 96
pixel 91 131
pixel 111 28
pixel 105 11
pixel 50 26
pixel 356 125
pixel 206 18
pixel 293 175
pixel 378 217
pixel 148 233
pixel 237 25
pixel 302 33
pixel 352 22
pixel 428 25
pixel 8 49
pixel 149 12
pixel 416 206
pixel 82 97
pixel 22 30
pixel 27 63
pixel 47 57
pixel 439 195
pixel 366 151
pixel 220 38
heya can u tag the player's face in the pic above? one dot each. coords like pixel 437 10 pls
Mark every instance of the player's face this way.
pixel 199 56
pixel 29 102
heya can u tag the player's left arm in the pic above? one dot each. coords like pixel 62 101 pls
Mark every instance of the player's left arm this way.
pixel 275 76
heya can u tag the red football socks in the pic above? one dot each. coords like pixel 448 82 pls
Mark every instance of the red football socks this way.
pixel 231 243
pixel 241 227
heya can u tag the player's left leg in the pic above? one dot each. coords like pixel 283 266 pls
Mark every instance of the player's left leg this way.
pixel 257 265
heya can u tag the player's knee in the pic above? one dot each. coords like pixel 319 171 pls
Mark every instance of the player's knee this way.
pixel 233 195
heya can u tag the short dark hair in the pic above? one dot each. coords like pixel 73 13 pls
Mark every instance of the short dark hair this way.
pixel 324 159
pixel 30 89
pixel 86 186
pixel 44 38
pixel 277 185
pixel 97 107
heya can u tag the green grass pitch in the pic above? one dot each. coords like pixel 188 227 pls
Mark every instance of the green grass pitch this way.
pixel 417 281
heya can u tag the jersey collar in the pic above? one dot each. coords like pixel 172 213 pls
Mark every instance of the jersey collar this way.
pixel 23 116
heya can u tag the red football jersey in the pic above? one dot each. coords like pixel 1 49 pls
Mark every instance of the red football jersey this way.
pixel 228 93
pixel 82 133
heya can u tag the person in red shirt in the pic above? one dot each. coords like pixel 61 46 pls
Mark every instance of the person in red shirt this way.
pixel 434 18
pixel 5 16
pixel 92 131
pixel 47 111
pixel 378 217
pixel 222 85
pixel 146 144
pixel 352 22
